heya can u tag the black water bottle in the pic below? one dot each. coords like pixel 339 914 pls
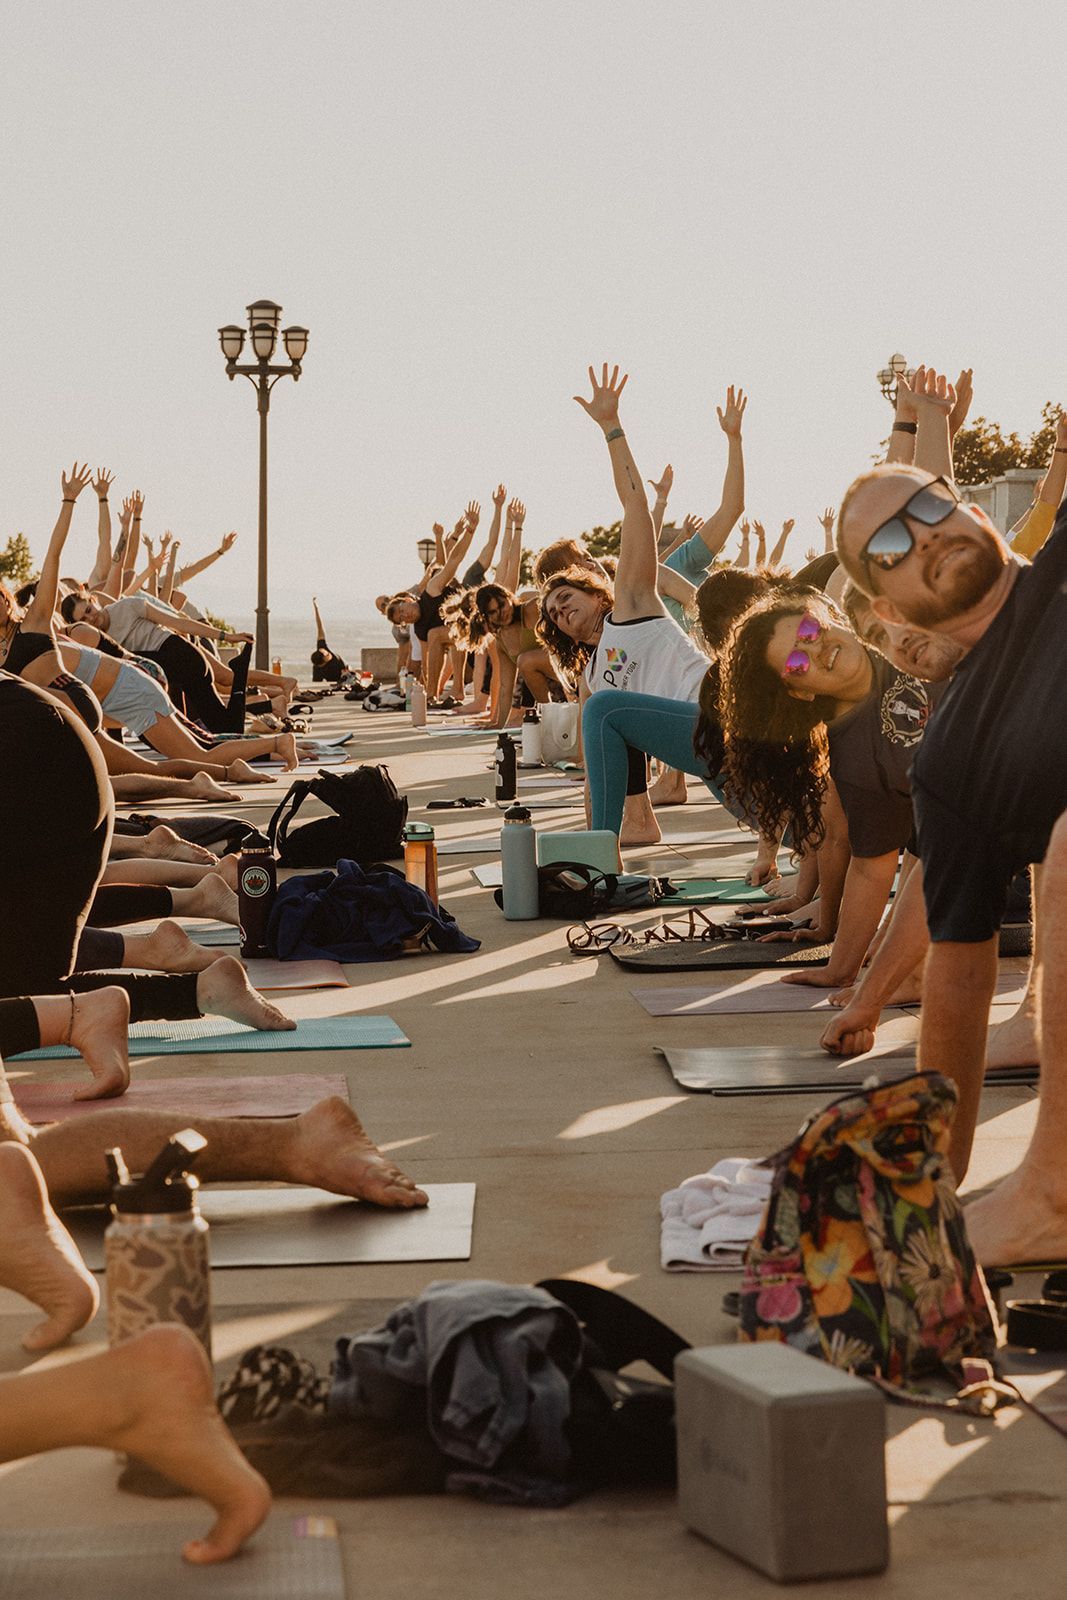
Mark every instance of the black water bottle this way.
pixel 257 884
pixel 506 763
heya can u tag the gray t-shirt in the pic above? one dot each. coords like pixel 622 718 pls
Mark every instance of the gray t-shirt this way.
pixel 128 625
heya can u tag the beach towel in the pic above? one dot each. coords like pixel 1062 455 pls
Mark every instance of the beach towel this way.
pixel 708 1222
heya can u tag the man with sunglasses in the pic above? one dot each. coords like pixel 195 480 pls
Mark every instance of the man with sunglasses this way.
pixel 990 788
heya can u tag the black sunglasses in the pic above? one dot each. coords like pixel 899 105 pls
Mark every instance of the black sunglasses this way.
pixel 890 544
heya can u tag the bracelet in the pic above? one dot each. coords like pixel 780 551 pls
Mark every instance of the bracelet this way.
pixel 905 427
pixel 1060 450
pixel 67 502
pixel 616 433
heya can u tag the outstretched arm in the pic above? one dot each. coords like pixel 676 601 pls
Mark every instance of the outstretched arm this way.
pixel 167 587
pixel 828 518
pixel 43 604
pixel 440 580
pixel 635 577
pixel 1034 527
pixel 183 575
pixel 484 558
pixel 743 556
pixel 933 398
pixel 112 586
pixel 718 527
pixel 761 543
pixel 663 489
pixel 191 627
pixel 905 427
pixel 133 545
pixel 510 564
pixel 779 550
pixel 320 631
pixel 102 566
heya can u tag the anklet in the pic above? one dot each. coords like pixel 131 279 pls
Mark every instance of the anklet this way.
pixel 70 1025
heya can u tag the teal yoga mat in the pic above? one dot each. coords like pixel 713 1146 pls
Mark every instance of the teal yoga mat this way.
pixel 712 891
pixel 211 1036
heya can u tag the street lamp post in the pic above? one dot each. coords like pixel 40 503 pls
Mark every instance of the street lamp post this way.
pixel 263 319
pixel 890 376
pixel 426 548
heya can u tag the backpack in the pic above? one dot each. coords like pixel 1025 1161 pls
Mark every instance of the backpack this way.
pixel 368 820
pixel 223 835
pixel 863 1257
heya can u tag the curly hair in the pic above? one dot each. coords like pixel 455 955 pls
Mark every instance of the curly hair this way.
pixel 573 655
pixel 727 593
pixel 777 754
pixel 708 743
pixel 14 610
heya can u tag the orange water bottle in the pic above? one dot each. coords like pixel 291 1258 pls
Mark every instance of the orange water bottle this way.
pixel 420 858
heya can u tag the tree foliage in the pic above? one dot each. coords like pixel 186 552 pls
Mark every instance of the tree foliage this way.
pixel 16 562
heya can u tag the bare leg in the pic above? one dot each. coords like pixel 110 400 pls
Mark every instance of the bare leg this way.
pixel 169 737
pixel 211 897
pixel 1014 1043
pixel 436 648
pixel 38 1257
pixel 326 1147
pixel 1025 1217
pixel 156 786
pixel 669 788
pixel 121 761
pixel 535 667
pixel 167 949
pixel 152 1398
pixel 171 874
pixel 96 1028
pixel 161 844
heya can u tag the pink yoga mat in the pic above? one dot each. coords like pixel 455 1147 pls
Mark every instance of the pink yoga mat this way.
pixel 296 974
pixel 192 1097
pixel 765 991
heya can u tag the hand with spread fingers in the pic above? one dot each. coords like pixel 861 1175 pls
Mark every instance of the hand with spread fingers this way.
pixel 74 481
pixel 500 494
pixel 603 405
pixel 102 482
pixel 732 414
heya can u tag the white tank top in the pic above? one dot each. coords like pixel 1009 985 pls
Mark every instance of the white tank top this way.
pixel 649 656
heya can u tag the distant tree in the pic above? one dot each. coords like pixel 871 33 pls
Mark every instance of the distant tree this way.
pixel 982 451
pixel 16 562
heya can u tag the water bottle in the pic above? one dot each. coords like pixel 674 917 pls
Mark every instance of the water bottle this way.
pixel 156 1247
pixel 506 764
pixel 518 852
pixel 402 682
pixel 257 885
pixel 276 666
pixel 420 858
pixel 418 706
pixel 531 738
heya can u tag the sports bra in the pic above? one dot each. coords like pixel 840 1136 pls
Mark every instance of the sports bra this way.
pixel 26 647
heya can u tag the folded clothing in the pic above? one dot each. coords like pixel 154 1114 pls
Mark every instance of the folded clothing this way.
pixel 708 1222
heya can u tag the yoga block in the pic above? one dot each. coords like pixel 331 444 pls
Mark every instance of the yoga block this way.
pixel 597 848
pixel 781 1461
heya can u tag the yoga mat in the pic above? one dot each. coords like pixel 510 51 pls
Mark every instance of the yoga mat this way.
pixel 783 1069
pixel 718 955
pixel 713 891
pixel 205 1097
pixel 456 733
pixel 546 802
pixel 490 874
pixel 764 991
pixel 468 847
pixel 205 933
pixel 213 1036
pixel 289 1558
pixel 299 1227
pixel 267 975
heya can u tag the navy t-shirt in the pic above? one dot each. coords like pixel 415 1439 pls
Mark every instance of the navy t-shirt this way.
pixel 871 751
pixel 991 779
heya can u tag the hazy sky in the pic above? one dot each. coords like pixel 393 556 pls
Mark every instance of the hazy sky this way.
pixel 468 202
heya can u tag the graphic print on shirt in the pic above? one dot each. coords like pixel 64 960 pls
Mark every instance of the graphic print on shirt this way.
pixel 905 710
pixel 614 672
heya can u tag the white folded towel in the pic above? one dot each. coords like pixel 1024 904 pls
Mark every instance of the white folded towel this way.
pixel 710 1219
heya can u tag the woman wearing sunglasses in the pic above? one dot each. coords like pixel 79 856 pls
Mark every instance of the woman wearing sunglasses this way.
pixel 820 736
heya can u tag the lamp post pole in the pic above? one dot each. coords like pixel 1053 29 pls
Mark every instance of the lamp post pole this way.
pixel 263 319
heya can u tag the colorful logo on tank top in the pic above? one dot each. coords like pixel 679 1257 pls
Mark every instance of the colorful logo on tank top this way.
pixel 616 658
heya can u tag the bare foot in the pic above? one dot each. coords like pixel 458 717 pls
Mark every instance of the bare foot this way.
pixel 204 787
pixel 170 949
pixel 241 772
pixel 909 993
pixel 332 1150
pixel 223 990
pixel 1023 1219
pixel 639 825
pixel 38 1257
pixel 227 869
pixel 286 748
pixel 99 1034
pixel 669 789
pixel 165 1393
pixel 1013 1043
pixel 163 844
pixel 212 897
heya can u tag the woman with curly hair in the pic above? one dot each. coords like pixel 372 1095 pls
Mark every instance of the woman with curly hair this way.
pixel 820 736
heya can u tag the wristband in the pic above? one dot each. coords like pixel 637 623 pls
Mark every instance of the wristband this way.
pixel 67 502
pixel 1060 450
pixel 905 427
pixel 616 433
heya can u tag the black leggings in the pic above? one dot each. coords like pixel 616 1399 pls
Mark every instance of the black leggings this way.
pixel 192 687
pixel 56 808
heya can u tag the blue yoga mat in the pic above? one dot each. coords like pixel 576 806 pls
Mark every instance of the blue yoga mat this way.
pixel 211 1036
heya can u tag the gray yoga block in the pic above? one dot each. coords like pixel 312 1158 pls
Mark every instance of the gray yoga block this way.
pixel 781 1460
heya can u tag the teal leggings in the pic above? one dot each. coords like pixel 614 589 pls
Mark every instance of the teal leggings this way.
pixel 613 721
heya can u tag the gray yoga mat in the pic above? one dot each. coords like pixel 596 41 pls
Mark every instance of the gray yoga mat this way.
pixel 300 1227
pixel 783 1069
pixel 717 955
pixel 765 992
pixel 289 1558
pixel 208 1036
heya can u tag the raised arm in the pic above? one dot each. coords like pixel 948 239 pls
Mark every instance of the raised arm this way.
pixel 43 604
pixel 320 631
pixel 102 566
pixel 113 585
pixel 761 543
pixel 743 556
pixel 183 575
pixel 440 580
pixel 167 587
pixel 636 593
pixel 191 627
pixel 485 556
pixel 510 564
pixel 440 554
pixel 905 427
pixel 129 564
pixel 148 577
pixel 828 518
pixel 933 398
pixel 663 489
pixel 718 527
pixel 779 550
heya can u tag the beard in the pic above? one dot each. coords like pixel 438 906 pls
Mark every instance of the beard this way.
pixel 967 583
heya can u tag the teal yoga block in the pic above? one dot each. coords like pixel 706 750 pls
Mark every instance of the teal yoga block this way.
pixel 596 848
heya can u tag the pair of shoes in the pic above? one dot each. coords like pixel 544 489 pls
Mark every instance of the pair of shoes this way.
pixel 447 704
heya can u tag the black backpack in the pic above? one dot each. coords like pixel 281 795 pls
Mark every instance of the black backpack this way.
pixel 367 826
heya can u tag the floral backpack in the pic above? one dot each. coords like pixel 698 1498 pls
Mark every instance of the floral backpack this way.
pixel 863 1257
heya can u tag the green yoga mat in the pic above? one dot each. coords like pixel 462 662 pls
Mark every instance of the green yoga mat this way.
pixel 289 1558
pixel 712 891
pixel 212 1036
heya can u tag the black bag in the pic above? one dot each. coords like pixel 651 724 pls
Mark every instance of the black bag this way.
pixel 367 826
pixel 571 889
pixel 221 834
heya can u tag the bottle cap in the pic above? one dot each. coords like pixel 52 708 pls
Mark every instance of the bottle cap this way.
pixel 531 715
pixel 166 1186
pixel 418 833
pixel 517 813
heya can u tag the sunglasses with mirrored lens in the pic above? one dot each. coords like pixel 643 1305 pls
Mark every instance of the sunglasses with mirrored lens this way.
pixel 890 544
pixel 799 661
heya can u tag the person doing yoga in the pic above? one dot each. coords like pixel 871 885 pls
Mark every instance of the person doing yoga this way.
pixel 422 607
pixel 326 665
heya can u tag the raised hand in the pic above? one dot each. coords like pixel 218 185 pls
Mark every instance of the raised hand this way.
pixel 438 530
pixel 828 518
pixel 787 527
pixel 964 395
pixel 125 514
pixel 103 481
pixel 458 530
pixel 166 540
pixel 517 513
pixel 691 525
pixel 745 529
pixel 137 502
pixel 603 407
pixel 74 481
pixel 930 391
pixel 810 553
pixel 228 541
pixel 500 494
pixel 472 515
pixel 663 487
pixel 730 415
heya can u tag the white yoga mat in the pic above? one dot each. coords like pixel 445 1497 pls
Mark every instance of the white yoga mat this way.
pixel 295 1226
pixel 267 975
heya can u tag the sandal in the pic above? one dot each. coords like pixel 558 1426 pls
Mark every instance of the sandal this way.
pixel 593 938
